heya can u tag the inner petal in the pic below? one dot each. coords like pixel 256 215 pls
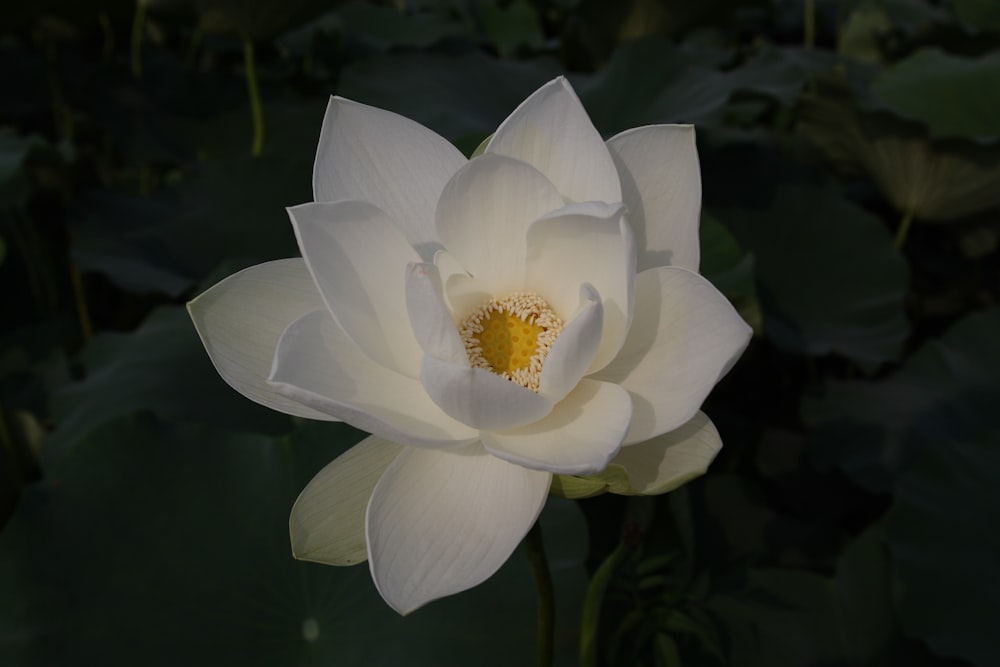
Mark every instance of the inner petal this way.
pixel 511 336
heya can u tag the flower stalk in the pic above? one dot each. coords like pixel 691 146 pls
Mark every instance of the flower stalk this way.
pixel 256 113
pixel 535 548
pixel 592 602
pixel 80 298
pixel 809 24
pixel 904 229
pixel 138 23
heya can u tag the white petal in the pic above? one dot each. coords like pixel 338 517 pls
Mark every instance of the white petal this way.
pixel 574 349
pixel 669 460
pixel 586 243
pixel 684 337
pixel 432 323
pixel 448 265
pixel 480 398
pixel 661 185
pixel 551 131
pixel 442 522
pixel 484 214
pixel 327 524
pixel 578 437
pixel 318 364
pixel 464 294
pixel 240 320
pixel 377 156
pixel 358 260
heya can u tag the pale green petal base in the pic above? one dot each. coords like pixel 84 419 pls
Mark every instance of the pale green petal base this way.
pixel 327 522
pixel 652 467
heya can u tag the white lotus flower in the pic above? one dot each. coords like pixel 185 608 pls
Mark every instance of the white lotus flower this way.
pixel 533 311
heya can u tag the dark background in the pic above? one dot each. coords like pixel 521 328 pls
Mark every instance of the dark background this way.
pixel 851 186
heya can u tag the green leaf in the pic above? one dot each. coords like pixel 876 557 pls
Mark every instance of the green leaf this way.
pixel 794 617
pixel 944 550
pixel 463 97
pixel 978 15
pixel 516 24
pixel 934 181
pixel 653 81
pixel 730 268
pixel 256 19
pixel 385 27
pixel 161 368
pixel 14 153
pixel 945 392
pixel 228 209
pixel 954 96
pixel 863 31
pixel 873 26
pixel 828 277
pixel 160 544
pixel 912 15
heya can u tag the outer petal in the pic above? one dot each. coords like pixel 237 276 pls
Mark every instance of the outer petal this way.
pixel 432 323
pixel 484 214
pixel 586 243
pixel 442 522
pixel 358 260
pixel 578 437
pixel 318 365
pixel 372 155
pixel 327 524
pixel 672 459
pixel 479 398
pixel 551 130
pixel 684 337
pixel 661 185
pixel 574 349
pixel 241 319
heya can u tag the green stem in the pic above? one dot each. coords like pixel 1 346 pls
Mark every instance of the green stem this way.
pixel 255 110
pixel 145 180
pixel 809 24
pixel 108 31
pixel 80 297
pixel 904 229
pixel 592 605
pixel 535 548
pixel 138 22
pixel 5 437
pixel 191 56
pixel 62 116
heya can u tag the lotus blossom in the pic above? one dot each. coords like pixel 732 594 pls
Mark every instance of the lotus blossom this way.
pixel 493 322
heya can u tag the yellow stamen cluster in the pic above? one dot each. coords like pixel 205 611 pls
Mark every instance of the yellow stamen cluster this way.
pixel 511 337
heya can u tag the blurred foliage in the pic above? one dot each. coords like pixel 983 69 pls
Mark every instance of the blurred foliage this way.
pixel 847 521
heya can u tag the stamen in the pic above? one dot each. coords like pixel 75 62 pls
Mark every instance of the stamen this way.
pixel 511 337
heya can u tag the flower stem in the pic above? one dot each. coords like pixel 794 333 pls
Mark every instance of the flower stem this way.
pixel 191 56
pixel 5 438
pixel 108 32
pixel 138 23
pixel 809 24
pixel 80 297
pixel 592 605
pixel 904 229
pixel 535 548
pixel 257 147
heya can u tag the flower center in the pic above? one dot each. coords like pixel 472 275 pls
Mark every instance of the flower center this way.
pixel 511 337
